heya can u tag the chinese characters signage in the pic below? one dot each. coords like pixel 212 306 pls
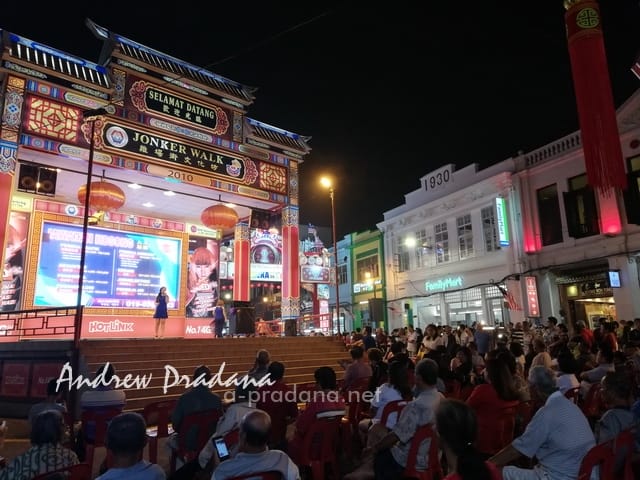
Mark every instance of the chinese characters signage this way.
pixel 532 296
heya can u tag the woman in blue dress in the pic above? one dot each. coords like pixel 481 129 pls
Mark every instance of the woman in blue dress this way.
pixel 161 313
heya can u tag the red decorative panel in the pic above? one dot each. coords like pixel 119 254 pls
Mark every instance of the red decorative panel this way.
pixel 15 379
pixel 52 119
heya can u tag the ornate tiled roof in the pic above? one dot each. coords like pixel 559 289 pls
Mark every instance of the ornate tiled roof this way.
pixel 47 58
pixel 180 68
pixel 278 136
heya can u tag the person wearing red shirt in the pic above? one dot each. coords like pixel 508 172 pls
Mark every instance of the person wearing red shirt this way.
pixel 325 401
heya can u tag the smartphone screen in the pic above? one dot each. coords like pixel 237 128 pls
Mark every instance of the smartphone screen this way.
pixel 221 448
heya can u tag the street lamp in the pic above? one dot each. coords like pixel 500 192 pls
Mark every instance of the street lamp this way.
pixel 90 116
pixel 327 183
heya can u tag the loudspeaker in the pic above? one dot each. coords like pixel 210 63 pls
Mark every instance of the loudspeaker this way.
pixel 245 318
pixel 375 310
pixel 290 328
pixel 37 179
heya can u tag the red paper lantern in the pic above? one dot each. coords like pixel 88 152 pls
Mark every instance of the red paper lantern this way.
pixel 219 217
pixel 104 196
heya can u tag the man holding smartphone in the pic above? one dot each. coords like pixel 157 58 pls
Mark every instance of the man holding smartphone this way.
pixel 253 454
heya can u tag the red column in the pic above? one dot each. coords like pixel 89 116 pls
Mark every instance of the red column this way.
pixel 290 264
pixel 241 258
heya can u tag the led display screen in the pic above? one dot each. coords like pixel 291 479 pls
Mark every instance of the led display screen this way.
pixel 122 269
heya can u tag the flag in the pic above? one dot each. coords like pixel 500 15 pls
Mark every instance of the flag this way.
pixel 510 300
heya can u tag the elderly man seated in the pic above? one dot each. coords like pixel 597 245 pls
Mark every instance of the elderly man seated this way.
pixel 558 435
pixel 253 454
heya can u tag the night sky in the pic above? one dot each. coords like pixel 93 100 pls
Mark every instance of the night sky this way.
pixel 387 92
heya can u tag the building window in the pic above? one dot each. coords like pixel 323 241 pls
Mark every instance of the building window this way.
pixel 401 260
pixel 580 208
pixel 422 248
pixel 442 242
pixel 465 236
pixel 342 274
pixel 549 208
pixel 490 229
pixel 632 193
pixel 367 265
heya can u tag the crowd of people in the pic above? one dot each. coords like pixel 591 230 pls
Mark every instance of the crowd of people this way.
pixel 464 382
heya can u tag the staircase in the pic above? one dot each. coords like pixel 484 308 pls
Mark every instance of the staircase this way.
pixel 157 365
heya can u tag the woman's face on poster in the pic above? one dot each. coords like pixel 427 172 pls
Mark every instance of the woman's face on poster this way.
pixel 203 271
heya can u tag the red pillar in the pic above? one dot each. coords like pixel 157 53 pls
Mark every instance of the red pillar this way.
pixel 290 264
pixel 241 258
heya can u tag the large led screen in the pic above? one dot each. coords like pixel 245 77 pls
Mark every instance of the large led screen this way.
pixel 122 269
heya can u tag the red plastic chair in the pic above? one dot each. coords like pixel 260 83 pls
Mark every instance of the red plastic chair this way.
pixel 80 471
pixel 99 419
pixel 259 476
pixel 204 423
pixel 497 434
pixel 157 416
pixel 320 447
pixel 623 447
pixel 434 469
pixel 357 408
pixel 573 394
pixel 394 406
pixel 600 455
pixel 593 405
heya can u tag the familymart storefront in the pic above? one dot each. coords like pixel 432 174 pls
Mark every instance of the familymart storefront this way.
pixel 457 299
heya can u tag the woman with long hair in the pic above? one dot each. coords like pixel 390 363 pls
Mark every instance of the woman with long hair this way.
pixel 457 429
pixel 492 403
pixel 161 314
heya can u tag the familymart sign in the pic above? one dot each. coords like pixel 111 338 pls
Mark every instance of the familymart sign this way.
pixel 443 284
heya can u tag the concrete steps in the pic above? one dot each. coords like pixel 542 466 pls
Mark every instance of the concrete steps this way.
pixel 150 364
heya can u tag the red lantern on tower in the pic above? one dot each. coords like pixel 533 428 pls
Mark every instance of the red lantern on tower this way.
pixel 104 197
pixel 219 217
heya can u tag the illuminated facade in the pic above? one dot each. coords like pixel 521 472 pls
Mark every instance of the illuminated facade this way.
pixel 179 133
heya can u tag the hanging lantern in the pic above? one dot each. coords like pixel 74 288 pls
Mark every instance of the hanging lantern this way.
pixel 104 196
pixel 219 217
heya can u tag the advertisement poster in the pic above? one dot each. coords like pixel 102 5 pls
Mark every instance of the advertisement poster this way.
pixel 202 280
pixel 13 271
pixel 122 269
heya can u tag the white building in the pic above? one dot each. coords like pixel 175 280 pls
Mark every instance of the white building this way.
pixel 451 250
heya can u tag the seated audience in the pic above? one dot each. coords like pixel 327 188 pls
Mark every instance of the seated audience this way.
pixel 558 435
pixel 126 439
pixel 390 453
pixel 198 398
pixel 458 433
pixel 488 400
pixel 325 401
pixel 279 402
pixel 52 402
pixel 46 452
pixel 370 429
pixel 566 379
pixel 379 369
pixel 541 357
pixel 101 398
pixel 461 367
pixel 253 454
pixel 604 360
pixel 357 369
pixel 617 396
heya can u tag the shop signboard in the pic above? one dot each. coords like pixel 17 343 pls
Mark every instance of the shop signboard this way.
pixel 503 227
pixel 533 306
pixel 15 379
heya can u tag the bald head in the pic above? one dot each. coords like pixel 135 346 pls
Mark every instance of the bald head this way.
pixel 255 428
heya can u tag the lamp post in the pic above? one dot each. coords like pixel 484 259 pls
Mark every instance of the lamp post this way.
pixel 91 116
pixel 327 183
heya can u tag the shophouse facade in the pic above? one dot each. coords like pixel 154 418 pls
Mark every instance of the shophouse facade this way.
pixel 581 245
pixel 452 250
